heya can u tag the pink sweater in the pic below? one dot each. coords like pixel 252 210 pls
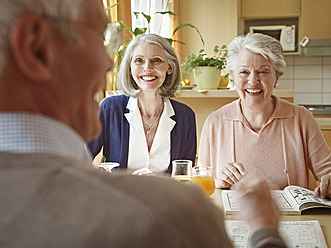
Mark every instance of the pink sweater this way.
pixel 284 150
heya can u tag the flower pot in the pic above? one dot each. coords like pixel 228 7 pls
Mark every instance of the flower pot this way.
pixel 207 78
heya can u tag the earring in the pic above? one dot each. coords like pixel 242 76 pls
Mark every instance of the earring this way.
pixel 276 85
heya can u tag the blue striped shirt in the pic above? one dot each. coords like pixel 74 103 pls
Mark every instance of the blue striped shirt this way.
pixel 34 133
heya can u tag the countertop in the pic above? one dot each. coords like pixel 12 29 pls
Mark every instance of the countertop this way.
pixel 194 93
pixel 324 123
pixel 227 93
pixel 319 109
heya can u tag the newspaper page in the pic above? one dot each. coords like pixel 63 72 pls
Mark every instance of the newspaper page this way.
pixel 306 198
pixel 284 204
pixel 297 234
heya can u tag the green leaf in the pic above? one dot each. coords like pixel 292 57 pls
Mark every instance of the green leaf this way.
pixel 126 27
pixel 216 49
pixel 166 12
pixel 136 14
pixel 177 41
pixel 189 25
pixel 139 31
pixel 120 51
pixel 111 6
pixel 147 17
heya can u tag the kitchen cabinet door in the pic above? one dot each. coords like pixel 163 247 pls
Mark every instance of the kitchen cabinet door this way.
pixel 327 136
pixel 257 9
pixel 315 21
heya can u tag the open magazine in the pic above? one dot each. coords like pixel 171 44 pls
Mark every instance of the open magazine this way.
pixel 291 201
pixel 306 234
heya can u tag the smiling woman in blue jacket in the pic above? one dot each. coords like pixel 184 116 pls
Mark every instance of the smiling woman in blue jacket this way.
pixel 143 129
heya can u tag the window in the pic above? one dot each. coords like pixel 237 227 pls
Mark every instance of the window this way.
pixel 159 24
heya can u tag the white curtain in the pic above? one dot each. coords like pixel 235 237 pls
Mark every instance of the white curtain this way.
pixel 159 24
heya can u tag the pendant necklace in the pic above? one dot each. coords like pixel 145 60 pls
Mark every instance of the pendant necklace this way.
pixel 150 127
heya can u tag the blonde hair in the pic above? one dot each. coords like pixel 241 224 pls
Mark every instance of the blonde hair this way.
pixel 125 80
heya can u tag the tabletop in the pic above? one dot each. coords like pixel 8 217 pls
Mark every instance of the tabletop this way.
pixel 322 215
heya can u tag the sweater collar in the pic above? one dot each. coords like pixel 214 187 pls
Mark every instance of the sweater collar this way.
pixel 282 110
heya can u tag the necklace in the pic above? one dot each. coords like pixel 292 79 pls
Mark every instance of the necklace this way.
pixel 151 126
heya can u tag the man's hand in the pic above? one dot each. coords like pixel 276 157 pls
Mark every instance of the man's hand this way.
pixel 257 206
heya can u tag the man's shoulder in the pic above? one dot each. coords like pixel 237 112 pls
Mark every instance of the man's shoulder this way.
pixel 111 207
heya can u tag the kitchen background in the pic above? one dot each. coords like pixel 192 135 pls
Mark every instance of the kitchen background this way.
pixel 219 21
pixel 309 78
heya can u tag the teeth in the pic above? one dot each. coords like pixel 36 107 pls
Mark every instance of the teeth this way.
pixel 148 78
pixel 253 91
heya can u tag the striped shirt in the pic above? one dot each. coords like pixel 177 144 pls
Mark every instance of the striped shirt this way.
pixel 34 133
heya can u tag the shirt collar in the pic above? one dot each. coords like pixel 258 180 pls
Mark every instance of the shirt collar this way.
pixel 34 133
pixel 132 105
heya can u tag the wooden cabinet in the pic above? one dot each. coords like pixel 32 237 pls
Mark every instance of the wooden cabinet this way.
pixel 315 20
pixel 257 9
pixel 327 136
pixel 217 21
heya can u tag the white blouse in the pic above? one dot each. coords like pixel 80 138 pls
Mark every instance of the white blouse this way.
pixel 158 159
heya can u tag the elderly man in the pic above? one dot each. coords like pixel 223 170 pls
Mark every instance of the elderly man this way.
pixel 52 63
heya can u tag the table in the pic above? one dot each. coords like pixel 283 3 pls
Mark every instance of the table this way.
pixel 322 215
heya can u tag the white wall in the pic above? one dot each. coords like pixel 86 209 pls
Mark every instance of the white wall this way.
pixel 310 78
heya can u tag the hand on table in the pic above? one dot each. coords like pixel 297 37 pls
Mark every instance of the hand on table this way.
pixel 324 189
pixel 230 175
pixel 257 206
pixel 143 171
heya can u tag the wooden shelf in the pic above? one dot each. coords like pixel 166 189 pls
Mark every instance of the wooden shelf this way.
pixel 224 93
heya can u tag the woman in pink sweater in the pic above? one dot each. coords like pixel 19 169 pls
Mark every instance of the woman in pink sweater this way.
pixel 259 130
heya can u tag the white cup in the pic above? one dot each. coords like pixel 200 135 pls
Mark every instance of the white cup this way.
pixel 108 166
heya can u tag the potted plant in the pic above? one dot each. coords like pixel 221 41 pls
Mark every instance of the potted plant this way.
pixel 207 70
pixel 139 31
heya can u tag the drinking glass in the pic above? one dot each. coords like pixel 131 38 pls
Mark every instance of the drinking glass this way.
pixel 182 170
pixel 204 177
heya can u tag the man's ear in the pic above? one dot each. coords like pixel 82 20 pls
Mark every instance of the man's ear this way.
pixel 28 46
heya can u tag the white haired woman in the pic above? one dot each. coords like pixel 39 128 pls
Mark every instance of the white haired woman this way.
pixel 144 130
pixel 261 131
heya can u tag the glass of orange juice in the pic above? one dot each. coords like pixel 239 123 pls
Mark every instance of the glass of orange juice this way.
pixel 204 177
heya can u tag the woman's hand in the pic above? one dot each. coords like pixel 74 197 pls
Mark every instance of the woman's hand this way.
pixel 257 206
pixel 324 189
pixel 143 171
pixel 230 175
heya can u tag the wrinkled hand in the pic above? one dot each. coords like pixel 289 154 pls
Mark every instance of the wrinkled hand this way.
pixel 324 189
pixel 143 171
pixel 230 175
pixel 257 206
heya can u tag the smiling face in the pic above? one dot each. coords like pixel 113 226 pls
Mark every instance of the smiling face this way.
pixel 255 78
pixel 149 66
